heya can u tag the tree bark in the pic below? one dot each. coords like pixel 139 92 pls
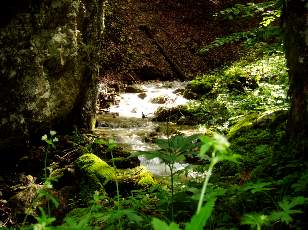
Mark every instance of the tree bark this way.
pixel 296 44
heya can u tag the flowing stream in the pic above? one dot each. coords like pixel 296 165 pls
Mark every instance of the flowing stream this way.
pixel 129 121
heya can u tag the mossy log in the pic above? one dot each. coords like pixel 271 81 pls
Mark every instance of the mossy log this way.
pixel 97 175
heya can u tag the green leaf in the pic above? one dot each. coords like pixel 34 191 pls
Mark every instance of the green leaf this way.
pixel 161 225
pixel 255 220
pixel 147 154
pixel 205 148
pixel 285 205
pixel 287 211
pixel 163 143
pixel 131 215
pixel 302 184
pixel 221 143
pixel 257 186
pixel 198 221
pixel 44 219
pixel 228 157
pixel 282 216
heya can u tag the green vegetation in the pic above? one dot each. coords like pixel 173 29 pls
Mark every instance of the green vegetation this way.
pixel 267 29
pixel 257 83
pixel 239 173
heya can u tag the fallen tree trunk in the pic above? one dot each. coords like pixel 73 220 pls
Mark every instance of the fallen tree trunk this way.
pixel 174 66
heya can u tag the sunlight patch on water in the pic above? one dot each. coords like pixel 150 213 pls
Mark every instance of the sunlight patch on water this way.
pixel 134 105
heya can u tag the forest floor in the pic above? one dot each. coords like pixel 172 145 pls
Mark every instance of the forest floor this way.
pixel 180 27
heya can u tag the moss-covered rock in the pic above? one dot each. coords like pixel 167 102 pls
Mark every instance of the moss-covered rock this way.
pixel 242 125
pixel 139 176
pixel 94 174
pixel 119 157
pixel 179 115
pixel 200 87
pixel 269 119
pixel 97 175
pixel 94 166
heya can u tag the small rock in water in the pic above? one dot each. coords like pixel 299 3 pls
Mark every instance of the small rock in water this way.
pixel 159 100
pixel 142 95
pixel 101 124
pixel 179 91
pixel 133 89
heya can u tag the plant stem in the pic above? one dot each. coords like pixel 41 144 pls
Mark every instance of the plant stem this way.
pixel 258 227
pixel 172 190
pixel 205 183
pixel 171 165
pixel 45 179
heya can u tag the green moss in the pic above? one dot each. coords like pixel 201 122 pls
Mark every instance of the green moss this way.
pixel 199 87
pixel 268 119
pixel 250 85
pixel 145 178
pixel 93 165
pixel 139 176
pixel 95 173
pixel 55 175
pixel 244 124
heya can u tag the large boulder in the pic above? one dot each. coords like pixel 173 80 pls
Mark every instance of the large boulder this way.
pixel 49 58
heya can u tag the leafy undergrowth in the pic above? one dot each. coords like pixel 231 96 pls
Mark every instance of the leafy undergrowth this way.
pixel 257 83
pixel 255 180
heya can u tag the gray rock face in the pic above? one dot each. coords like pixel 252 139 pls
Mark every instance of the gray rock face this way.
pixel 49 58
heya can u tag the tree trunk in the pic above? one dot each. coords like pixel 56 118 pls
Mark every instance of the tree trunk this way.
pixel 296 44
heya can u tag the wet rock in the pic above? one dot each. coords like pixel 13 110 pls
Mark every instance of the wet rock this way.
pixel 120 157
pixel 142 95
pixel 179 91
pixel 159 100
pixel 179 115
pixel 100 124
pixel 124 162
pixel 132 89
pixel 62 176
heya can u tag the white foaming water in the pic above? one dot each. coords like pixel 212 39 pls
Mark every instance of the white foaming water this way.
pixel 136 104
pixel 128 127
